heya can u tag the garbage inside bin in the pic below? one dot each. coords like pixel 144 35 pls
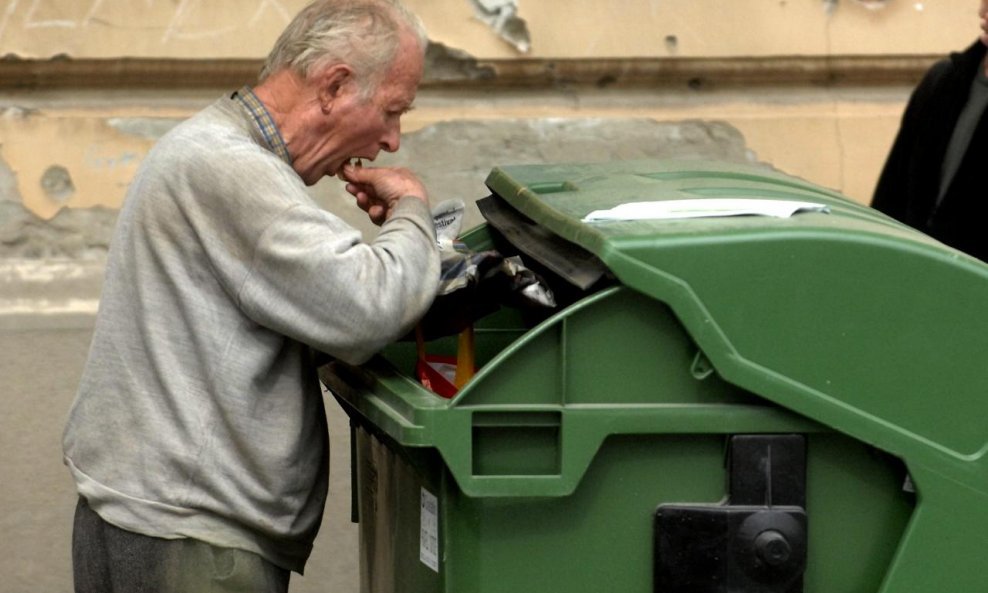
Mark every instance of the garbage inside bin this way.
pixel 744 403
pixel 472 284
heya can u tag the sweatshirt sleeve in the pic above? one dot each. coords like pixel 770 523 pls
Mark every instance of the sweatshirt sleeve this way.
pixel 314 279
pixel 227 216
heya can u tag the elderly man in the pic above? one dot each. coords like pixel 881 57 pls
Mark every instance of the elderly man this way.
pixel 198 439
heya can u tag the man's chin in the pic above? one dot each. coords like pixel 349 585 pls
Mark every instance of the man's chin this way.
pixel 310 180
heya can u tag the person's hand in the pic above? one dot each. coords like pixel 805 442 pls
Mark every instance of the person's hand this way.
pixel 378 189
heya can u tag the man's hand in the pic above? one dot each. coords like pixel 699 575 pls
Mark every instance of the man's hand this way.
pixel 378 189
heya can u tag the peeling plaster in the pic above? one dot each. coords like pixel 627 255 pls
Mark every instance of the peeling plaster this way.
pixel 447 63
pixel 69 161
pixel 453 158
pixel 71 234
pixel 8 182
pixel 147 128
pixel 502 17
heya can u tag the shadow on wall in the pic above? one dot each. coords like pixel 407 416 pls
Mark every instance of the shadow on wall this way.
pixel 453 159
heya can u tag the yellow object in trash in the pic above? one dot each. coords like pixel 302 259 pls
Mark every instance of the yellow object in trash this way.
pixel 465 359
pixel 445 375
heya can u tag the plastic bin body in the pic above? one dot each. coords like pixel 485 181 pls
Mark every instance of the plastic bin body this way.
pixel 545 473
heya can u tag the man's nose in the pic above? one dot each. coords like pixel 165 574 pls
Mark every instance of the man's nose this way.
pixel 391 139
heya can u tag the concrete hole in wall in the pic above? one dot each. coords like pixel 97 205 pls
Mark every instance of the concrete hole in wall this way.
pixel 57 184
pixel 672 43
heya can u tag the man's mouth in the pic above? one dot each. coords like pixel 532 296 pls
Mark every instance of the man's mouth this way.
pixel 352 161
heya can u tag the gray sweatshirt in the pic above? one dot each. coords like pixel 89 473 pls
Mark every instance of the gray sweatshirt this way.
pixel 199 413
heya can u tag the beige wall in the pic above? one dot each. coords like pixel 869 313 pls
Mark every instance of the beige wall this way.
pixel 835 138
pixel 590 28
pixel 830 134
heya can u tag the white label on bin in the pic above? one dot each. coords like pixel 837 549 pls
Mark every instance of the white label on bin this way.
pixel 429 531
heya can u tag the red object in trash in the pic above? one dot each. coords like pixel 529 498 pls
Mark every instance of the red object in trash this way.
pixel 445 375
pixel 436 373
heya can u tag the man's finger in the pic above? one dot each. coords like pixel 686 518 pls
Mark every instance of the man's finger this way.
pixel 354 173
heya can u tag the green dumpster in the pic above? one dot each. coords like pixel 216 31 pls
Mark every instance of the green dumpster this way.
pixel 730 397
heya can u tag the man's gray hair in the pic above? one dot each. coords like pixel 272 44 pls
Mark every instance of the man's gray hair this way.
pixel 363 34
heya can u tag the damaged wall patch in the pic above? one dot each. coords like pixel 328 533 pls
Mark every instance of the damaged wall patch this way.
pixel 57 184
pixel 502 17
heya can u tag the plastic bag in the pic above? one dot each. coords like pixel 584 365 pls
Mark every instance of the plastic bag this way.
pixel 476 283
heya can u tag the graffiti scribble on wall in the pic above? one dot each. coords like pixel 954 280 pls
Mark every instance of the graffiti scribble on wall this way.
pixel 184 16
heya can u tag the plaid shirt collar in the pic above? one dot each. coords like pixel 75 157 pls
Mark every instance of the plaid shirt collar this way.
pixel 262 119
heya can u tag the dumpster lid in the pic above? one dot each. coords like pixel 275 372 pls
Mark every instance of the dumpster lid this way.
pixel 834 302
pixel 653 212
pixel 620 206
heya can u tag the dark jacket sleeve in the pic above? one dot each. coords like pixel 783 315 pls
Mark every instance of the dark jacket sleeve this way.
pixel 892 191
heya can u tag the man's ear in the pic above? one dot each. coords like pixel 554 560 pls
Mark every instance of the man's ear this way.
pixel 333 82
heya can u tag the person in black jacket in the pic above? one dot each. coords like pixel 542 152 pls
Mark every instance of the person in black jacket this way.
pixel 933 179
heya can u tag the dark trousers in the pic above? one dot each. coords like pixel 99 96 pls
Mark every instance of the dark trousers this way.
pixel 107 559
